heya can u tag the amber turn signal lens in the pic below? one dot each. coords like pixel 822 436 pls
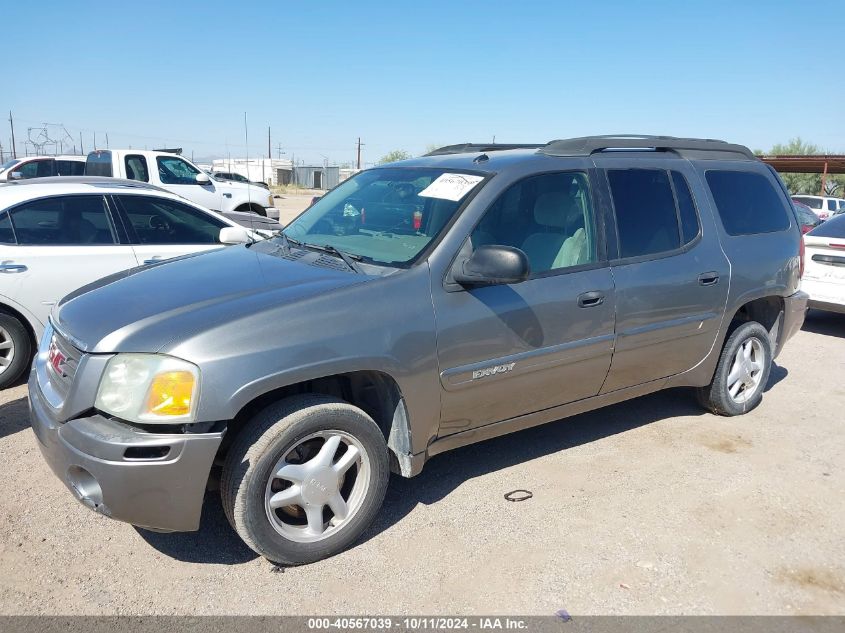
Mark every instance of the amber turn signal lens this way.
pixel 171 393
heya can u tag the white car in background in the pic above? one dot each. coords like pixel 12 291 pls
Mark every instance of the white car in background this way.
pixel 41 167
pixel 173 172
pixel 823 206
pixel 824 265
pixel 59 234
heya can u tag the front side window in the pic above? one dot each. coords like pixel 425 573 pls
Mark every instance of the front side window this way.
pixel 386 215
pixel 747 202
pixel 136 168
pixel 163 221
pixel 549 217
pixel 36 169
pixel 646 218
pixel 63 221
pixel 172 170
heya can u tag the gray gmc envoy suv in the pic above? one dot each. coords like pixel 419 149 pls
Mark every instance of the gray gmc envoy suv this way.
pixel 416 308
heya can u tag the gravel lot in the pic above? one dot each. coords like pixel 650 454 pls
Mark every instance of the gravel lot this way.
pixel 646 507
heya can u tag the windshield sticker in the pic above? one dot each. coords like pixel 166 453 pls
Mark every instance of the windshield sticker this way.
pixel 451 186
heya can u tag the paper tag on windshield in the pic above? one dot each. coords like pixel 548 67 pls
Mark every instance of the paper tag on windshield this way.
pixel 451 186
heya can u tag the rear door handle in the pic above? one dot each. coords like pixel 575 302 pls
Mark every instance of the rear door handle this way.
pixel 12 268
pixel 708 279
pixel 590 299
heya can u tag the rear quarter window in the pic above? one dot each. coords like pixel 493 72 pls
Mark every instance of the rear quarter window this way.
pixel 747 202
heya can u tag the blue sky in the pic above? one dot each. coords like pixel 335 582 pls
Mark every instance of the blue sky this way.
pixel 404 75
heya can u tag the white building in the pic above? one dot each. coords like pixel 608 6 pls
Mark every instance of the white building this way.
pixel 273 171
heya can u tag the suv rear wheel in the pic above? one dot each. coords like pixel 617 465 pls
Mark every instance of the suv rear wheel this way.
pixel 305 478
pixel 742 373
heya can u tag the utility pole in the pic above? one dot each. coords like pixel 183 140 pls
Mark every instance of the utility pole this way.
pixel 95 139
pixel 81 149
pixel 359 153
pixel 269 150
pixel 107 140
pixel 280 151
pixel 12 125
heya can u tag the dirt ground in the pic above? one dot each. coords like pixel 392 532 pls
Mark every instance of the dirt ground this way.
pixel 291 205
pixel 647 507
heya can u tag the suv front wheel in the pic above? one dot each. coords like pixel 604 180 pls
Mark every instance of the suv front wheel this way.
pixel 742 373
pixel 305 478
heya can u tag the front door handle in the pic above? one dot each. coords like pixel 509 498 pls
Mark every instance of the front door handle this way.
pixel 708 279
pixel 590 299
pixel 12 268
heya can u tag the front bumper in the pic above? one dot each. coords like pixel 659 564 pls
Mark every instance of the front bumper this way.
pixel 272 212
pixel 794 311
pixel 152 480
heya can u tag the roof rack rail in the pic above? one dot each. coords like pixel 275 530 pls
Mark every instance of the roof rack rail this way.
pixel 464 148
pixel 586 145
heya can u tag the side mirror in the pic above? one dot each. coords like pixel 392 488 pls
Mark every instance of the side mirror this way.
pixel 234 235
pixel 493 265
pixel 16 175
pixel 203 179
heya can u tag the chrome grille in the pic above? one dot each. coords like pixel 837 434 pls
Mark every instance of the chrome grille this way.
pixel 62 363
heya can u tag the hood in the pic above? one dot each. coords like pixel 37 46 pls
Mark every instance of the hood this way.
pixel 145 309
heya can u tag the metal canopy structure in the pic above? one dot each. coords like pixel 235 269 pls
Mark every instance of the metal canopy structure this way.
pixel 823 164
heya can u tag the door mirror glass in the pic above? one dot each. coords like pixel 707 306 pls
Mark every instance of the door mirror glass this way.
pixel 203 179
pixel 234 235
pixel 16 175
pixel 493 264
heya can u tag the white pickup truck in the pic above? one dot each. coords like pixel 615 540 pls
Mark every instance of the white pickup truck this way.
pixel 180 176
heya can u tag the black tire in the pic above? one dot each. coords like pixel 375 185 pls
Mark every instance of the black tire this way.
pixel 265 440
pixel 256 209
pixel 22 348
pixel 715 396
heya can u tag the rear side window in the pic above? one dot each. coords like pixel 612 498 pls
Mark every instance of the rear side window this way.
pixel 70 167
pixel 747 202
pixel 99 164
pixel 686 208
pixel 646 218
pixel 831 205
pixel 63 221
pixel 7 235
pixel 136 168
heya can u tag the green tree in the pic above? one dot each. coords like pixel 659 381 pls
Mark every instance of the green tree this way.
pixel 392 157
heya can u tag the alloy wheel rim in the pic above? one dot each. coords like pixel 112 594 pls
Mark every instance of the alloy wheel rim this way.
pixel 318 486
pixel 7 349
pixel 746 371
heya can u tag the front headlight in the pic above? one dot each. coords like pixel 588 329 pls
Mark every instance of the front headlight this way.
pixel 149 388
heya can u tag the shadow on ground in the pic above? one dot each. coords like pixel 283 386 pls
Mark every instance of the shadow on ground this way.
pixel 825 323
pixel 216 542
pixel 14 417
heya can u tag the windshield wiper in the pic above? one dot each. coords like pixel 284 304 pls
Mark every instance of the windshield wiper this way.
pixel 347 258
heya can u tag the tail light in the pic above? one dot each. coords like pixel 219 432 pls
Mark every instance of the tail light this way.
pixel 801 250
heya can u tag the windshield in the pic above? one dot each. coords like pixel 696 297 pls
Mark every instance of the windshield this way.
pixel 835 227
pixel 9 163
pixel 385 216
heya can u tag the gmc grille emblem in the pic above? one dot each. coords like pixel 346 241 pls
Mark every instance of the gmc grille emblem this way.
pixel 57 360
